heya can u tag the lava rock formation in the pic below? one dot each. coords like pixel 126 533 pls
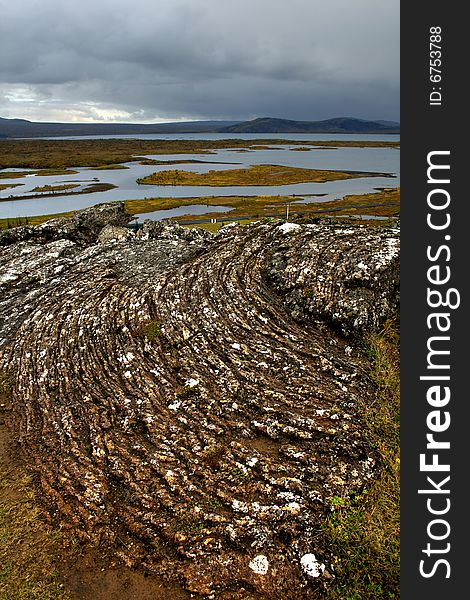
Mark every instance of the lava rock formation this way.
pixel 194 400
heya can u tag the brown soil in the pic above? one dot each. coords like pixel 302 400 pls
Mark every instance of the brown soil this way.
pixel 88 576
pixel 88 580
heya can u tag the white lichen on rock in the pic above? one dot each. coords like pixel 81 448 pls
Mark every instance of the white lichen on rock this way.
pixel 311 566
pixel 259 564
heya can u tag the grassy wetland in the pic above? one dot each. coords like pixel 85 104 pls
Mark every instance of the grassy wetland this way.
pixel 51 189
pixel 53 154
pixel 385 203
pixel 253 175
pixel 6 186
pixel 60 157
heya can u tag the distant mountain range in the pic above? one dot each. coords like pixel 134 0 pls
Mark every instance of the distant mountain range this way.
pixel 337 125
pixel 20 128
pixel 16 128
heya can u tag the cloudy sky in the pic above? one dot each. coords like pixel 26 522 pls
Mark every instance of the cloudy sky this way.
pixel 170 60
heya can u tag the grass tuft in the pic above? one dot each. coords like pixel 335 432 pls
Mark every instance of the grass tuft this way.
pixel 27 545
pixel 53 189
pixel 363 530
pixel 153 330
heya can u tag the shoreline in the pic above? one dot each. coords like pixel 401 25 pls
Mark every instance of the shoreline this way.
pixel 241 206
pixel 53 154
pixel 95 187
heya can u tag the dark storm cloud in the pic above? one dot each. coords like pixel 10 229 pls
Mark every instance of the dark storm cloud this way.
pixel 168 59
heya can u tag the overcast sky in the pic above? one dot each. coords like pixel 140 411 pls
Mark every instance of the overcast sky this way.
pixel 169 60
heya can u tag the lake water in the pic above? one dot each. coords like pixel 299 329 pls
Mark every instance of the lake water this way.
pixel 375 160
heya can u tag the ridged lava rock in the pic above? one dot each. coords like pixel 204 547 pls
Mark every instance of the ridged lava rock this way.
pixel 182 397
pixel 352 283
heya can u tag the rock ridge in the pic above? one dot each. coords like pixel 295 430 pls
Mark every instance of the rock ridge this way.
pixel 194 400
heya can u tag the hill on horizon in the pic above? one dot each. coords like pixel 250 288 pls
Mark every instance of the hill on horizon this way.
pixel 17 128
pixel 14 128
pixel 336 125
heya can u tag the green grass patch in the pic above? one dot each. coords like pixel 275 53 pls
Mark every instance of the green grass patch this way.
pixel 28 570
pixel 179 161
pixel 363 530
pixel 29 548
pixel 11 222
pixel 53 189
pixel 63 190
pixel 264 147
pixel 15 174
pixel 54 172
pixel 153 330
pixel 108 167
pixel 254 175
pixel 42 172
pixel 385 203
pixel 5 186
pixel 244 204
